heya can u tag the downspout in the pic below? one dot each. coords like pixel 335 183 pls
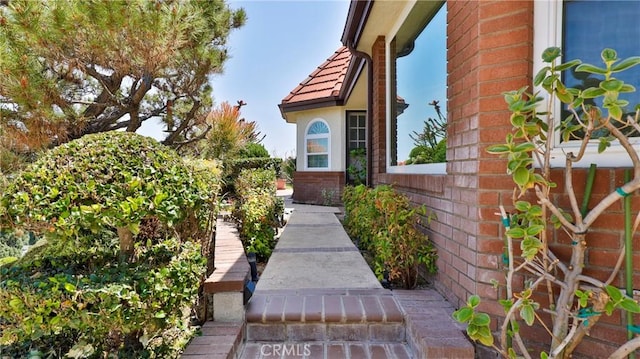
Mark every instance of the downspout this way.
pixel 368 61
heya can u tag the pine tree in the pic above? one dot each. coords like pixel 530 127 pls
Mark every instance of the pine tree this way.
pixel 72 67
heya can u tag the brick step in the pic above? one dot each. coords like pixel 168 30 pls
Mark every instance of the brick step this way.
pixel 431 331
pixel 319 315
pixel 218 341
pixel 326 350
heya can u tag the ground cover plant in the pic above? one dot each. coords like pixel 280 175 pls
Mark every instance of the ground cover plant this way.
pixel 125 228
pixel 558 292
pixel 387 225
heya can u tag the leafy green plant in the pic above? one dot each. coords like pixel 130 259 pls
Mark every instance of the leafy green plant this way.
pixel 110 180
pixel 431 143
pixel 72 294
pixel 389 227
pixel 80 301
pixel 357 170
pixel 576 300
pixel 258 211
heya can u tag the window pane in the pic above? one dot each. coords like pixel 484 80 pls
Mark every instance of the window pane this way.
pixel 318 161
pixel 591 26
pixel 361 135
pixel 318 127
pixel 317 145
pixel 353 134
pixel 361 121
pixel 421 75
pixel 353 121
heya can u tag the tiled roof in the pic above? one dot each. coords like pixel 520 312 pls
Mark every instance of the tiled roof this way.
pixel 324 86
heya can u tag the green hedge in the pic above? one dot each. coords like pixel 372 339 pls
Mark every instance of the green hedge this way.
pixel 258 210
pixel 80 301
pixel 74 293
pixel 385 223
pixel 232 169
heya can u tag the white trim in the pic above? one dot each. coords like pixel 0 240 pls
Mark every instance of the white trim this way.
pixel 306 154
pixel 427 168
pixel 547 19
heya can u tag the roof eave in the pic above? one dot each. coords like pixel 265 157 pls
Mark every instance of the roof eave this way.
pixel 359 11
pixel 311 104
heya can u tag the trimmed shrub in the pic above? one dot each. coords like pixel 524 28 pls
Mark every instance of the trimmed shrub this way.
pixel 113 180
pixel 385 223
pixel 72 294
pixel 258 211
pixel 232 169
pixel 82 302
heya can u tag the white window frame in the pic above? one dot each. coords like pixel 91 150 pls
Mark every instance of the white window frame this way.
pixel 548 17
pixel 425 168
pixel 317 136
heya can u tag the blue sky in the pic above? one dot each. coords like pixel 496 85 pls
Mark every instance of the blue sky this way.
pixel 281 43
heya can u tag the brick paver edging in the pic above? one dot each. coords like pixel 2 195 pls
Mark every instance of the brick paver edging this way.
pixel 218 341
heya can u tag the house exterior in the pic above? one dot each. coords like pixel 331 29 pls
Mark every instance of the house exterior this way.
pixel 490 47
pixel 329 110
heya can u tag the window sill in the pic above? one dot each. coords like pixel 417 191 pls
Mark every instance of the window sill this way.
pixel 429 168
pixel 614 156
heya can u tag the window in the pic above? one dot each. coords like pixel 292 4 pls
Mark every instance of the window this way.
pixel 583 28
pixel 317 145
pixel 356 130
pixel 418 68
pixel 356 147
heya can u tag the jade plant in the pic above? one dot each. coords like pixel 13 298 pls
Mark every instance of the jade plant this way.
pixel 575 300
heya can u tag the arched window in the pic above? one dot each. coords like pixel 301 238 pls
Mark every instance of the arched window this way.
pixel 317 145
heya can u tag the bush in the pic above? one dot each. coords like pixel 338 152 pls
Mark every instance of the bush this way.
pixel 386 224
pixel 253 150
pixel 288 168
pixel 427 154
pixel 73 294
pixel 258 211
pixel 113 180
pixel 232 169
pixel 83 302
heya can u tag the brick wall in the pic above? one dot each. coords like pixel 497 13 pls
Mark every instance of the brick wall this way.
pixel 315 187
pixel 379 152
pixel 490 46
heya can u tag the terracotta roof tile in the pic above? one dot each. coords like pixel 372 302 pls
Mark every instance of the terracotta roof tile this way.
pixel 325 82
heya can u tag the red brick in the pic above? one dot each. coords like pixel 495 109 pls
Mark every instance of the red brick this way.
pixel 352 309
pixel 336 351
pixel 293 308
pixel 377 351
pixel 357 351
pixel 313 309
pixel 391 310
pixel 255 309
pixel 332 309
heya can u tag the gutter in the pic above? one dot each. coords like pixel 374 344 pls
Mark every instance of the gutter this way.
pixel 359 11
pixel 368 61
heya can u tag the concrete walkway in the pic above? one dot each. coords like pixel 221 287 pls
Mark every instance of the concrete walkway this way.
pixel 317 298
pixel 315 252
